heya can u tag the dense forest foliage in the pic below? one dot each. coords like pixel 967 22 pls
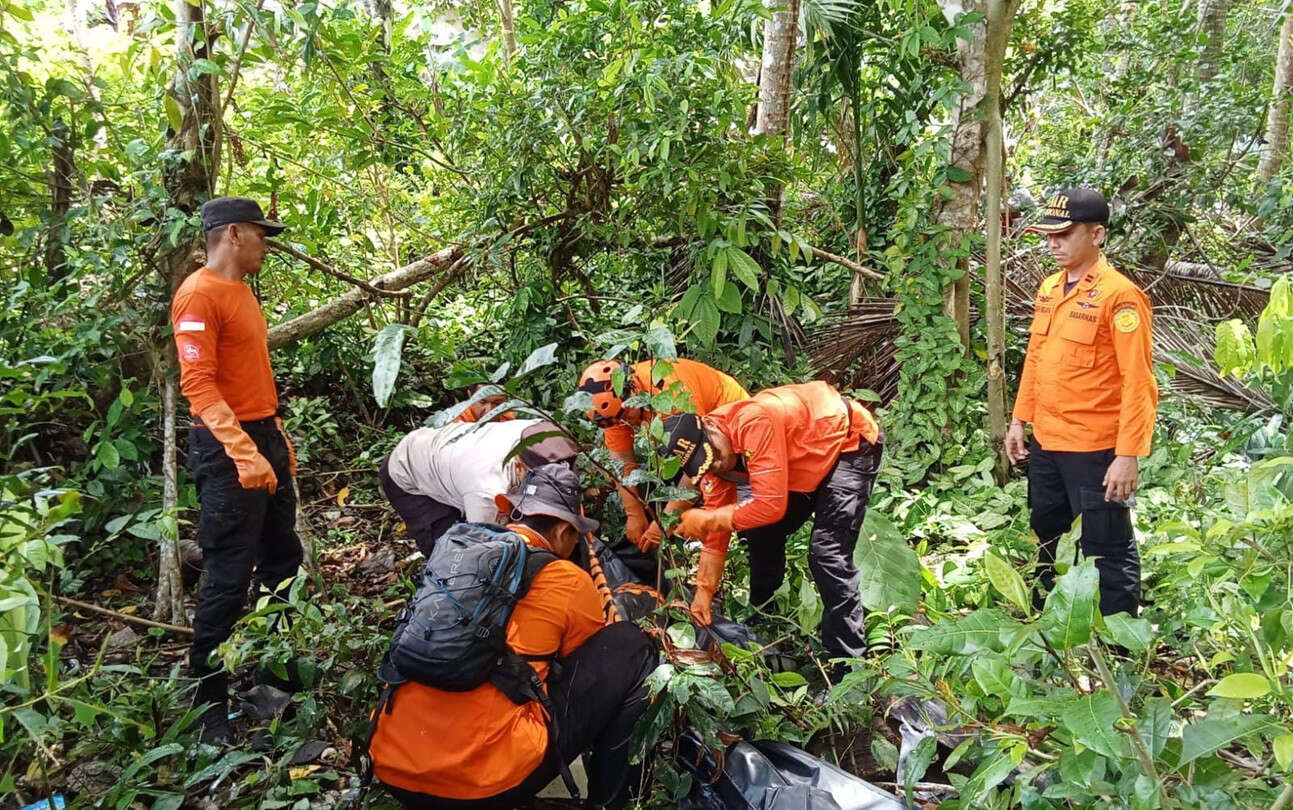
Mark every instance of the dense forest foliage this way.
pixel 502 192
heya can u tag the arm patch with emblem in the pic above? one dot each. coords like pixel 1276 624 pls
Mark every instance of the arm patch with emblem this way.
pixel 1127 320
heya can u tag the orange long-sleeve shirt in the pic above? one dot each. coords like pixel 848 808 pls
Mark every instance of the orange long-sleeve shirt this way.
pixel 791 437
pixel 476 744
pixel 221 339
pixel 1088 380
pixel 708 387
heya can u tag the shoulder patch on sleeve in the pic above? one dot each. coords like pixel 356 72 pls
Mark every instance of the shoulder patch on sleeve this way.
pixel 1126 320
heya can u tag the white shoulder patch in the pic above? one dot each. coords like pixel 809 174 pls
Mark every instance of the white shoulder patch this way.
pixel 193 326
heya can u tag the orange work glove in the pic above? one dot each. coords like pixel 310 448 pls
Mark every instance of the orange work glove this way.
pixel 291 451
pixel 700 523
pixel 651 538
pixel 635 519
pixel 708 576
pixel 254 471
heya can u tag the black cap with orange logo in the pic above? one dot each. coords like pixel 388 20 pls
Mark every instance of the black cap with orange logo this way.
pixel 1069 206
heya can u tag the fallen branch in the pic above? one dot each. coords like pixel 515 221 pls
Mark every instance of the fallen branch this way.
pixel 124 617
pixel 860 269
pixel 288 250
pixel 352 301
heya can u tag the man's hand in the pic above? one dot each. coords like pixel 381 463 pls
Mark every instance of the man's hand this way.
pixel 1016 442
pixel 635 519
pixel 650 539
pixel 1121 478
pixel 698 523
pixel 255 473
pixel 701 607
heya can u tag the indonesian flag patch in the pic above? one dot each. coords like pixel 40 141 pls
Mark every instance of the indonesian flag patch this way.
pixel 190 323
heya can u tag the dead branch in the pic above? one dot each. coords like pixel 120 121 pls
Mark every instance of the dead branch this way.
pixel 124 617
pixel 280 247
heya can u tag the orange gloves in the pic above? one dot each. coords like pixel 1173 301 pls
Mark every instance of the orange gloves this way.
pixel 291 451
pixel 635 519
pixel 708 576
pixel 651 538
pixel 254 471
pixel 701 523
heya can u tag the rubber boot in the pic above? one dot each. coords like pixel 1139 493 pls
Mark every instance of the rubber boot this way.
pixel 213 691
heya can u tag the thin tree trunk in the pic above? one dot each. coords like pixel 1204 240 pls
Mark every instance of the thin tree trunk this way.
pixel 780 34
pixel 1277 121
pixel 170 583
pixel 960 214
pixel 189 182
pixel 509 29
pixel 1212 24
pixel 61 173
pixel 1000 16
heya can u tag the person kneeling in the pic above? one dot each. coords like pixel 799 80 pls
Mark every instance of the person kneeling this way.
pixel 479 748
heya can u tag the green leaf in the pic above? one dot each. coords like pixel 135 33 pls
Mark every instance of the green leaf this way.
pixel 540 357
pixel 889 567
pixel 917 763
pixel 387 351
pixel 659 341
pixel 986 777
pixel 993 675
pixel 788 680
pixel 174 115
pixel 1007 581
pixel 1241 686
pixel 1134 634
pixel 1155 724
pixel 1210 734
pixel 981 630
pixel 718 272
pixel 1070 607
pixel 1283 746
pixel 1235 353
pixel 743 267
pixel 108 456
pixel 958 174
pixel 705 320
pixel 1091 718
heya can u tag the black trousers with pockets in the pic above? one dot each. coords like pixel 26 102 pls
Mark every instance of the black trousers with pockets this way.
pixel 242 532
pixel 839 505
pixel 425 519
pixel 1063 485
pixel 598 693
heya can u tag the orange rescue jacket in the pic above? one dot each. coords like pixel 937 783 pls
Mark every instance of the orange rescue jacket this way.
pixel 708 387
pixel 477 744
pixel 1088 380
pixel 791 437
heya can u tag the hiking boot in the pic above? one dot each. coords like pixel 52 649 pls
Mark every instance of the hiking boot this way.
pixel 263 675
pixel 213 692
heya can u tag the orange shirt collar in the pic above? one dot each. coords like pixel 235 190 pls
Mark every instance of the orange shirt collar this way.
pixel 1092 275
pixel 531 536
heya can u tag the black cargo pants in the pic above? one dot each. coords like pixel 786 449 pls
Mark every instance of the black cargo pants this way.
pixel 598 693
pixel 1063 485
pixel 241 531
pixel 839 505
pixel 425 519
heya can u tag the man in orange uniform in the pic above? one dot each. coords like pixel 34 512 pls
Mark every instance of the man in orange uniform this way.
pixel 239 456
pixel 477 749
pixel 1088 389
pixel 707 387
pixel 805 450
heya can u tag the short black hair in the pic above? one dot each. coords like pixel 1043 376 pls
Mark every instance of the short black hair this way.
pixel 541 523
pixel 215 235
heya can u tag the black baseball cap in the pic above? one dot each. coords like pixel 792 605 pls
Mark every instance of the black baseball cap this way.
pixel 685 437
pixel 227 210
pixel 549 444
pixel 1069 206
pixel 552 490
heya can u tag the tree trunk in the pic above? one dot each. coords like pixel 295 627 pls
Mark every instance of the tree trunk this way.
pixel 780 34
pixel 1212 25
pixel 1277 121
pixel 170 584
pixel 1000 16
pixel 189 182
pixel 60 192
pixel 960 215
pixel 509 29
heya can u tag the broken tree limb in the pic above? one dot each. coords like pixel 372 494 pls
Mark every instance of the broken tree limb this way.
pixel 352 301
pixel 125 617
pixel 288 250
pixel 860 269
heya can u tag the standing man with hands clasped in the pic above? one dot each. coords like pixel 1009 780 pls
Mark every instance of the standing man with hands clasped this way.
pixel 239 455
pixel 1088 389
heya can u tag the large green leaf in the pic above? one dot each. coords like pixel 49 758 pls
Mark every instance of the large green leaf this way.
pixel 984 629
pixel 1070 606
pixel 889 567
pixel 1091 719
pixel 1155 724
pixel 388 348
pixel 1007 580
pixel 1120 628
pixel 1210 734
pixel 1241 686
pixel 540 357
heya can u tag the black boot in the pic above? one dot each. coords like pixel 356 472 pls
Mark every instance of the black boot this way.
pixel 213 692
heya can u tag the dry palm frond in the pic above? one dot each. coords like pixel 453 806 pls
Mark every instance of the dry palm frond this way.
pixel 854 348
